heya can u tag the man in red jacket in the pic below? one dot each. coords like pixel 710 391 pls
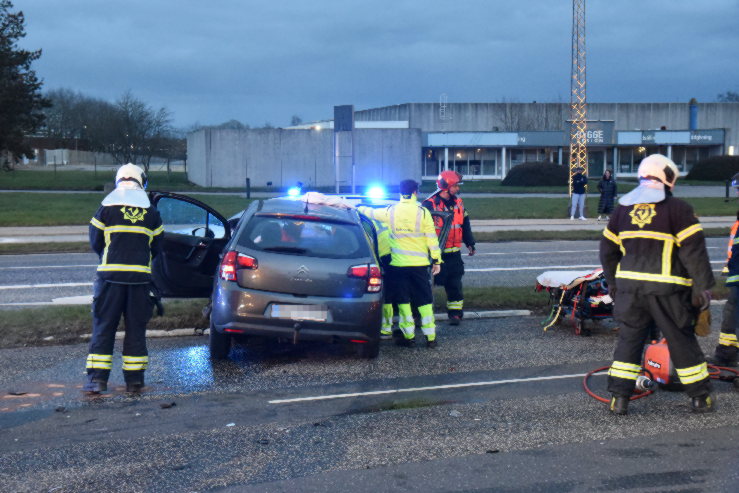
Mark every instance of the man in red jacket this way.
pixel 452 267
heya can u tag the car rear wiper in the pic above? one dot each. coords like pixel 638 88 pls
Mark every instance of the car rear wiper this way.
pixel 286 249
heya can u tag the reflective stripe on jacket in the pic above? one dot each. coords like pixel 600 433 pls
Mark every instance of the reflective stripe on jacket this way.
pixel 655 249
pixel 411 232
pixel 126 239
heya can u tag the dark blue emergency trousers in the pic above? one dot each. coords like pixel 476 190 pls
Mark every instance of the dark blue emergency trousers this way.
pixel 110 301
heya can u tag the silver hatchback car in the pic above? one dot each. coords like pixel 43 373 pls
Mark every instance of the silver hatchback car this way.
pixel 282 269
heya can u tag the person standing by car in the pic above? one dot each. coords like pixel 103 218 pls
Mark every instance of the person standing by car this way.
pixel 125 233
pixel 656 264
pixel 452 268
pixel 608 191
pixel 412 241
pixel 579 182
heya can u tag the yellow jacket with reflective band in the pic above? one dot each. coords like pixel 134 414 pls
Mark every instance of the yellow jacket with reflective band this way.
pixel 383 238
pixel 411 232
pixel 126 239
pixel 655 249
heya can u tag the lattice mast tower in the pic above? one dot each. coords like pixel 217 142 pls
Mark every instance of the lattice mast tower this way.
pixel 578 102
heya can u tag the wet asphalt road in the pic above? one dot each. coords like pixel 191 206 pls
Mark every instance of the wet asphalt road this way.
pixel 27 279
pixel 510 426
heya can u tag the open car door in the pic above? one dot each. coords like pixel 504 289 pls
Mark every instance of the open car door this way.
pixel 193 239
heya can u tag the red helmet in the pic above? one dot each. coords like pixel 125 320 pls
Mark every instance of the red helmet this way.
pixel 448 179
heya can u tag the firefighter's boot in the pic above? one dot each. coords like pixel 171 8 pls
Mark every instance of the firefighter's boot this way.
pixel 619 405
pixel 94 386
pixel 702 404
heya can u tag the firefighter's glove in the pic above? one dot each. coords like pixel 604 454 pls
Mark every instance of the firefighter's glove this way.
pixel 725 270
pixel 702 300
pixel 471 249
pixel 435 269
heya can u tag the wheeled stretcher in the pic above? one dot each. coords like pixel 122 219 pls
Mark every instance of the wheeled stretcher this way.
pixel 577 296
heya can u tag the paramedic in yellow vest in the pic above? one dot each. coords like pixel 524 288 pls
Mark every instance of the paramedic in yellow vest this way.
pixel 452 269
pixel 412 242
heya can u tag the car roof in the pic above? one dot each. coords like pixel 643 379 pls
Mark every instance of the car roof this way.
pixel 291 206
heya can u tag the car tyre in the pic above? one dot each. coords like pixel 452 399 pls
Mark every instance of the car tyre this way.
pixel 220 344
pixel 369 350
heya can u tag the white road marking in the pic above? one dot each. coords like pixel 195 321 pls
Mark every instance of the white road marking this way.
pixel 538 267
pixel 48 266
pixel 35 286
pixel 67 300
pixel 559 267
pixel 551 252
pixel 421 389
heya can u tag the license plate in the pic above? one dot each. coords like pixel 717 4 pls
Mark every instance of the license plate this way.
pixel 300 312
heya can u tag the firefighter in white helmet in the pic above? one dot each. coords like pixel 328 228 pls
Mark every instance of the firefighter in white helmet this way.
pixel 125 233
pixel 655 262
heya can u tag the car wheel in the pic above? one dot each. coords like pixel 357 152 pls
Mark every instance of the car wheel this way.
pixel 369 350
pixel 220 344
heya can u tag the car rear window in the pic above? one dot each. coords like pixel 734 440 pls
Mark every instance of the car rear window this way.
pixel 297 236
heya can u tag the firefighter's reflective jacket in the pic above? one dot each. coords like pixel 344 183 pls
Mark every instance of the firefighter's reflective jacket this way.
pixel 461 231
pixel 655 249
pixel 411 230
pixel 126 239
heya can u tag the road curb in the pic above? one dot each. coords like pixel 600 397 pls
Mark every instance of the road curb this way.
pixel 438 316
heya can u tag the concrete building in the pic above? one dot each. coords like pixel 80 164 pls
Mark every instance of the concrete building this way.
pixel 480 140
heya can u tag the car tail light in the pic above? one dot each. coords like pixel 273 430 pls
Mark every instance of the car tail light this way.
pixel 234 261
pixel 371 272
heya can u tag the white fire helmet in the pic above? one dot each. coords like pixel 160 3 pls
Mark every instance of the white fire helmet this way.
pixel 130 172
pixel 659 167
pixel 130 182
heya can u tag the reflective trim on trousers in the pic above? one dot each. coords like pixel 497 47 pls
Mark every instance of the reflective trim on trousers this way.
pixel 99 361
pixel 405 320
pixel 387 317
pixel 628 371
pixel 135 363
pixel 693 374
pixel 725 339
pixel 428 322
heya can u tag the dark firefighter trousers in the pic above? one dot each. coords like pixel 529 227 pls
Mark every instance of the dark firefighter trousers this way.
pixel 674 316
pixel 727 342
pixel 110 301
pixel 450 276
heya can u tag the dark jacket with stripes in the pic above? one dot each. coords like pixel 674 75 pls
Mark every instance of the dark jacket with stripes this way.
pixel 126 239
pixel 656 249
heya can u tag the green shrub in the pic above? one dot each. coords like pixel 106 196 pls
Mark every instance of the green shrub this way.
pixel 715 168
pixel 537 174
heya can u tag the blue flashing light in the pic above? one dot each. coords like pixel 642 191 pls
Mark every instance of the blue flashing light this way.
pixel 376 192
pixel 293 191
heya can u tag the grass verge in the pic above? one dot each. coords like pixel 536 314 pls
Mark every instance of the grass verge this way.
pixel 55 325
pixel 37 209
pixel 65 324
pixel 34 209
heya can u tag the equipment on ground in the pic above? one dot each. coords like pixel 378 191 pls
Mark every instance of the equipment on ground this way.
pixel 576 295
pixel 658 371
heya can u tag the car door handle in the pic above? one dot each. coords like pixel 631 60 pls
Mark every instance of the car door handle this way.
pixel 200 246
